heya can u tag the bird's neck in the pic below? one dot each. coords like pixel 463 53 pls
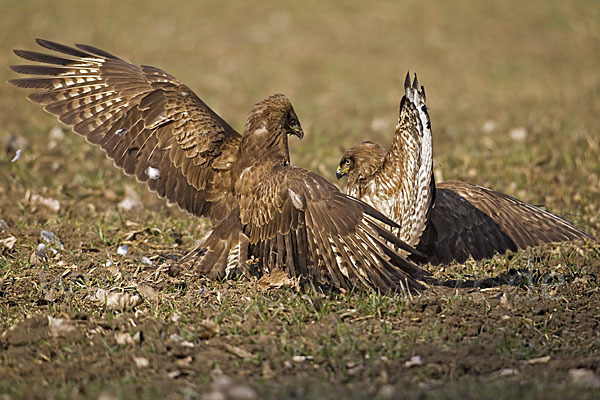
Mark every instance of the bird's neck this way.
pixel 258 146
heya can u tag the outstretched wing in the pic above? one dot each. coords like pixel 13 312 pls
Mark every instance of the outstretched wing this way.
pixel 151 125
pixel 296 220
pixel 404 180
pixel 470 220
pixel 525 224
pixel 457 230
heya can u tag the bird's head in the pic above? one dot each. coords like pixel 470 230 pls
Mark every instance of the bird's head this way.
pixel 360 161
pixel 292 124
pixel 274 115
pixel 268 126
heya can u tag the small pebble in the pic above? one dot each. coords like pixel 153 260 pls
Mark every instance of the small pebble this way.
pixel 17 155
pixel 518 134
pixel 141 362
pixel 146 260
pixel 40 251
pixel 122 250
pixel 50 237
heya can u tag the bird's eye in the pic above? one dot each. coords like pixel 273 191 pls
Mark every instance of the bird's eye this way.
pixel 346 161
pixel 293 121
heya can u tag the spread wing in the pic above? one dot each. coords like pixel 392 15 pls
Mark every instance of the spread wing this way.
pixel 151 125
pixel 296 220
pixel 456 230
pixel 404 180
pixel 470 220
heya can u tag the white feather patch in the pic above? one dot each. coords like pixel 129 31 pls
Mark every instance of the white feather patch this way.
pixel 233 260
pixel 153 173
pixel 297 200
pixel 261 130
pixel 244 172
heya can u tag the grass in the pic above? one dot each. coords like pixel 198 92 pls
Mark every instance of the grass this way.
pixel 488 68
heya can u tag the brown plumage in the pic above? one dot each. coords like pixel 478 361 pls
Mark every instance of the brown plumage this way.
pixel 261 208
pixel 451 220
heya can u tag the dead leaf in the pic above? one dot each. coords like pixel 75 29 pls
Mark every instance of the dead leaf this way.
pixel 49 295
pixel 141 362
pixel 48 202
pixel 184 362
pixel 118 301
pixel 147 291
pixel 9 242
pixel 207 329
pixel 508 372
pixel 539 360
pixel 237 351
pixel 277 279
pixel 123 338
pixel 174 374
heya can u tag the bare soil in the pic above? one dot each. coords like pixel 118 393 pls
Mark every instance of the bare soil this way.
pixel 513 91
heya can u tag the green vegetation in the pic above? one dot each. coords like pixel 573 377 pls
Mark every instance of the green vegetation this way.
pixel 517 326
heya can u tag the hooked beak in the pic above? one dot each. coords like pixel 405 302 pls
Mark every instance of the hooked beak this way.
pixel 296 131
pixel 341 172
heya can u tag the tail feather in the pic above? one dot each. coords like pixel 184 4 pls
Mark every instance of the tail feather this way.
pixel 222 251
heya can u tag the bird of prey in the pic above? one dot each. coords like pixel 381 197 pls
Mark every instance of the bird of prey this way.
pixel 449 220
pixel 262 208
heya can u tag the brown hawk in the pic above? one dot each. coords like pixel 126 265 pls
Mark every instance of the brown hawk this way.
pixel 262 208
pixel 451 220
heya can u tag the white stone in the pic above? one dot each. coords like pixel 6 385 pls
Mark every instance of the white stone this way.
pixel 17 155
pixel 122 250
pixel 518 134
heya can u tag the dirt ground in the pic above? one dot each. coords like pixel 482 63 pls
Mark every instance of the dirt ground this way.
pixel 514 95
pixel 523 332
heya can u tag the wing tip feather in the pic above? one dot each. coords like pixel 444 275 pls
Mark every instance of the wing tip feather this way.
pixel 407 81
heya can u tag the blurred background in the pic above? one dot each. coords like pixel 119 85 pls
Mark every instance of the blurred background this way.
pixel 513 87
